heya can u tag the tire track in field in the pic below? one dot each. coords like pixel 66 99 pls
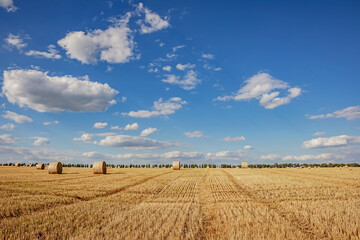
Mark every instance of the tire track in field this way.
pixel 301 224
pixel 208 227
pixel 85 199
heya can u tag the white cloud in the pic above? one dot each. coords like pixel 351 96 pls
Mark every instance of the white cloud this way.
pixel 113 45
pixel 15 41
pixel 8 127
pixel 178 47
pixel 167 68
pixel 133 126
pixel 6 139
pixel 52 53
pixel 86 137
pixel 195 134
pixel 133 142
pixel 234 139
pixel 41 141
pixel 183 67
pixel 148 132
pixel 152 22
pixel 123 99
pixel 161 108
pixel 337 141
pixel 349 113
pixel 66 93
pixel 51 123
pixel 319 134
pixel 261 86
pixel 17 117
pixel 8 5
pixel 171 55
pixel 322 156
pixel 189 81
pixel 208 56
pixel 226 155
pixel 100 125
pixel 248 147
pixel 115 128
pixel 270 157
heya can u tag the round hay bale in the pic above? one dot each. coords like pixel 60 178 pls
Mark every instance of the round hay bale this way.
pixel 99 167
pixel 244 164
pixel 55 168
pixel 176 165
pixel 40 166
pixel 17 165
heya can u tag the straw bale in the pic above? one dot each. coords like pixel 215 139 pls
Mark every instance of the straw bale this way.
pixel 99 167
pixel 55 168
pixel 176 165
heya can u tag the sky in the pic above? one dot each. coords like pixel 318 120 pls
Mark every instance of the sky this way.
pixel 133 82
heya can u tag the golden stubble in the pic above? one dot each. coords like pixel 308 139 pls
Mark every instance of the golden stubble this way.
pixel 320 203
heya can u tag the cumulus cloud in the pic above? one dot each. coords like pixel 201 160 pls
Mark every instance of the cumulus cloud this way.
pixel 148 132
pixel 183 67
pixel 350 113
pixel 248 147
pixel 319 134
pixel 189 82
pixel 152 22
pixel 208 56
pixel 113 45
pixel 261 86
pixel 15 41
pixel 6 139
pixel 133 126
pixel 234 139
pixel 52 53
pixel 51 123
pixel 226 155
pixel 195 134
pixel 65 93
pixel 167 68
pixel 86 137
pixel 8 5
pixel 337 141
pixel 100 125
pixel 17 117
pixel 41 141
pixel 270 157
pixel 8 127
pixel 133 142
pixel 322 156
pixel 161 108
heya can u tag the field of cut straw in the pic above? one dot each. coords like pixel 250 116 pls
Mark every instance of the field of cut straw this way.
pixel 318 203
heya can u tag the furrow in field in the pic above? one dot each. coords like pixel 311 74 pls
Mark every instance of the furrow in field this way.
pixel 40 206
pixel 301 224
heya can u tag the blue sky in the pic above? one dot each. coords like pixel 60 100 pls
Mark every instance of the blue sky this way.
pixel 157 81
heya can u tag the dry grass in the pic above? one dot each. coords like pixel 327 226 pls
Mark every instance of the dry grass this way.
pixel 189 204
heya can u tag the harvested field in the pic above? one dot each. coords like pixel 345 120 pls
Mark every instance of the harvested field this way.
pixel 321 203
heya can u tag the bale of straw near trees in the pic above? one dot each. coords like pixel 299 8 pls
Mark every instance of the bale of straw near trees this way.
pixel 55 168
pixel 99 167
pixel 244 165
pixel 40 166
pixel 176 165
pixel 17 165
